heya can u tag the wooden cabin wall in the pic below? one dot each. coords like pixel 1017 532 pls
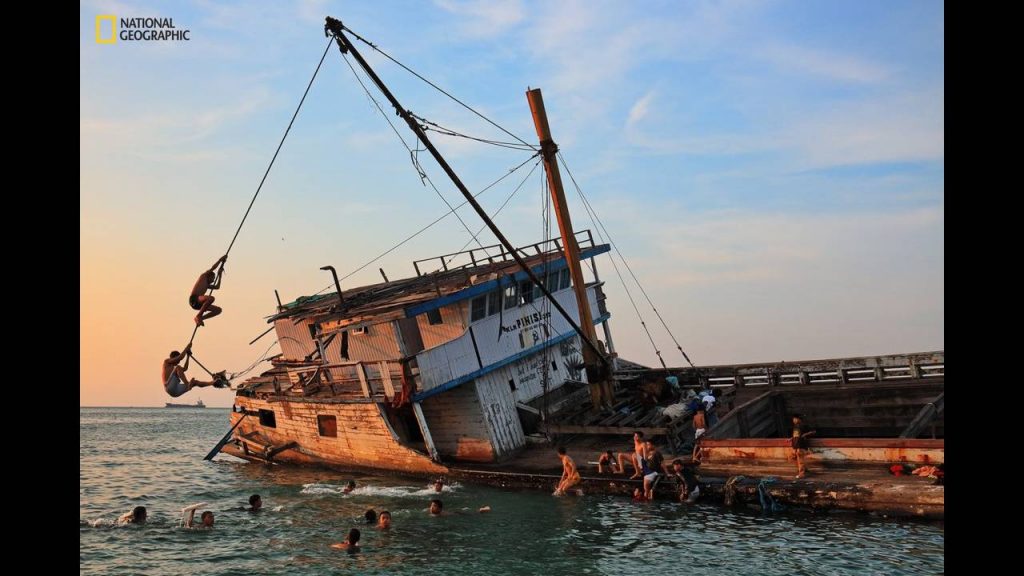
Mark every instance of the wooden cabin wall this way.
pixel 295 341
pixel 498 337
pixel 523 327
pixel 453 324
pixel 381 343
pixel 500 414
pixel 526 374
pixel 444 363
pixel 457 424
pixel 363 439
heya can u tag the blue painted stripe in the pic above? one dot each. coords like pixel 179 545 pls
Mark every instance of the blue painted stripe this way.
pixel 499 364
pixel 485 287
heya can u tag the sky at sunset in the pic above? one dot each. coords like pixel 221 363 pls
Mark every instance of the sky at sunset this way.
pixel 773 171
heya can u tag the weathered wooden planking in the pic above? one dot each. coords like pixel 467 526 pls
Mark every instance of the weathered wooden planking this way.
pixel 453 325
pixel 457 424
pixel 363 438
pixel 498 405
pixel 578 429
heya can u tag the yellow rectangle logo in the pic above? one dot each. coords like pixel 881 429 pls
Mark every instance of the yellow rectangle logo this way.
pixel 99 29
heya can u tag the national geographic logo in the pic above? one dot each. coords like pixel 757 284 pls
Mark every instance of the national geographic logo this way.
pixel 111 28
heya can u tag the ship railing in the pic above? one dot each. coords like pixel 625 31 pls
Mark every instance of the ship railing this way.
pixel 483 255
pixel 377 381
pixel 923 366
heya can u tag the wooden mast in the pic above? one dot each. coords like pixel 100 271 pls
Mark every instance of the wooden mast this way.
pixel 601 392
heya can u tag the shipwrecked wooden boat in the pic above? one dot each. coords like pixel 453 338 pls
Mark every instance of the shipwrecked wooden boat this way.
pixel 471 365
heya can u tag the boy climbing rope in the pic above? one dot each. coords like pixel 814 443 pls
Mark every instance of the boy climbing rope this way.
pixel 199 299
pixel 177 383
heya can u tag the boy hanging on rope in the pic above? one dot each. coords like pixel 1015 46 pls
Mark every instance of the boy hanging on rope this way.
pixel 199 299
pixel 176 382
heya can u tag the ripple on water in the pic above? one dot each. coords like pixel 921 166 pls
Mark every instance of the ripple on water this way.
pixel 130 457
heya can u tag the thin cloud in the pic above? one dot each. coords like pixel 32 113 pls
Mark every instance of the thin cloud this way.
pixel 172 129
pixel 819 62
pixel 639 110
pixel 482 19
pixel 900 128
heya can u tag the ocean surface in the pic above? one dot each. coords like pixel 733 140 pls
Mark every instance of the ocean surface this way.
pixel 154 457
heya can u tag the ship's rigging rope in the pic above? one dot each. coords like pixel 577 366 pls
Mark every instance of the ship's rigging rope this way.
pixel 267 173
pixel 545 383
pixel 428 226
pixel 438 129
pixel 438 88
pixel 494 215
pixel 412 155
pixel 623 282
pixel 599 226
pixel 256 363
pixel 281 143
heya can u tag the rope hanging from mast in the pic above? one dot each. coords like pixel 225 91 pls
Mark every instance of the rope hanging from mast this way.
pixel 413 155
pixel 428 226
pixel 598 223
pixel 259 188
pixel 373 46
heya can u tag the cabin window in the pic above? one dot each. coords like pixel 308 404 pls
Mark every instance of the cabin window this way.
pixel 511 296
pixel 478 308
pixel 312 330
pixel 551 282
pixel 526 289
pixel 268 419
pixel 512 384
pixel 564 279
pixel 434 316
pixel 361 331
pixel 327 425
pixel 494 302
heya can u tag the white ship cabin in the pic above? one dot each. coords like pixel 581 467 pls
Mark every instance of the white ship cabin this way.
pixel 462 358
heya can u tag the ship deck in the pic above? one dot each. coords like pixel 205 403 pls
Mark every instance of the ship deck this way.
pixel 868 488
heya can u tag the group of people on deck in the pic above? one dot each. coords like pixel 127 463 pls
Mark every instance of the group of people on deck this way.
pixel 648 463
pixel 172 374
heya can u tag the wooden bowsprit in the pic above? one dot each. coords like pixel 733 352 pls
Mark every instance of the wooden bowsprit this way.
pixel 225 439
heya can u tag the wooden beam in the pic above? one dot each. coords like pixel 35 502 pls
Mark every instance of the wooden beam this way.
pixel 425 431
pixel 363 381
pixel 528 408
pixel 617 430
pixel 385 378
pixel 275 451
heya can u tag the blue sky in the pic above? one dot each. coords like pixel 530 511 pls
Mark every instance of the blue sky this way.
pixel 773 171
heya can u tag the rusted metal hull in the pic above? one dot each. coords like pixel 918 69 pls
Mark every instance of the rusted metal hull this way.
pixel 823 452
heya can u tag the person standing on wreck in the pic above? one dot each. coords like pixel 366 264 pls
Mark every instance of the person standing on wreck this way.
pixel 199 299
pixel 175 381
pixel 570 475
pixel 798 442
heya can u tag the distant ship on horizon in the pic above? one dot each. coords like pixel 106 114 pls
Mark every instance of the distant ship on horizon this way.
pixel 198 404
